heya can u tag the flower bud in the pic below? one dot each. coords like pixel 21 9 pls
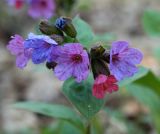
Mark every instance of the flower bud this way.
pixel 48 29
pixel 97 52
pixel 98 64
pixel 65 24
pixel 51 65
pixel 106 56
pixel 58 38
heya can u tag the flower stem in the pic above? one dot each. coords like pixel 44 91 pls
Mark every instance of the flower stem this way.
pixel 88 129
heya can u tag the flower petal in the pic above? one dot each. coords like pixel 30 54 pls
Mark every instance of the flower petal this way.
pixel 122 69
pixel 40 55
pixel 15 45
pixel 45 38
pixel 75 49
pixel 119 46
pixel 63 71
pixel 112 88
pixel 134 56
pixel 80 72
pixel 21 61
pixel 98 91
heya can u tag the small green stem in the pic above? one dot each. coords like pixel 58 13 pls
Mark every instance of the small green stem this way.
pixel 88 129
pixel 75 40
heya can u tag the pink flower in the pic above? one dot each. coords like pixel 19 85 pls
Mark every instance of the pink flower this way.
pixel 16 3
pixel 16 47
pixel 104 84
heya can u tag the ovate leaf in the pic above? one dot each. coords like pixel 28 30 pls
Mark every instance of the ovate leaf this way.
pixel 80 94
pixel 85 34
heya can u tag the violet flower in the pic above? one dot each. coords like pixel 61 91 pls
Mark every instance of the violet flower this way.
pixel 42 46
pixel 123 60
pixel 16 47
pixel 104 84
pixel 41 8
pixel 72 61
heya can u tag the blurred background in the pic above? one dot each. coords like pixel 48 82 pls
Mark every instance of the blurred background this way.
pixel 137 21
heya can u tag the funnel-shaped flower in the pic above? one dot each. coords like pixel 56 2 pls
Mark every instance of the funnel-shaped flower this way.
pixel 123 60
pixel 42 46
pixel 41 8
pixel 72 61
pixel 16 47
pixel 104 84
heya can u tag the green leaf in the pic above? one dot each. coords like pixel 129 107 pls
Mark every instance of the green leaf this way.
pixel 105 38
pixel 148 97
pixel 85 34
pixel 80 94
pixel 151 22
pixel 61 127
pixel 144 86
pixel 150 81
pixel 156 53
pixel 56 111
pixel 141 73
pixel 117 114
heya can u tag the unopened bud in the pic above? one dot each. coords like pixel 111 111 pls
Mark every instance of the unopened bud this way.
pixel 98 64
pixel 51 65
pixel 58 38
pixel 48 29
pixel 65 24
pixel 97 52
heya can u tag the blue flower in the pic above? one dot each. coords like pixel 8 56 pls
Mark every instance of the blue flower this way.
pixel 42 46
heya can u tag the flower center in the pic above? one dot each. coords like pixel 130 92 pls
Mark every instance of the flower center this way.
pixel 115 57
pixel 43 3
pixel 77 58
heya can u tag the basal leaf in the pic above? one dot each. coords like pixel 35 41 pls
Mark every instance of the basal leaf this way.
pixel 56 111
pixel 148 97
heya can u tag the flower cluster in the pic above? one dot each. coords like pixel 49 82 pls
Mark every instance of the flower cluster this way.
pixel 72 60
pixel 36 8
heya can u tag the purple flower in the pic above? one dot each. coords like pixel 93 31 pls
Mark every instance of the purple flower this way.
pixel 16 3
pixel 42 46
pixel 16 47
pixel 41 8
pixel 123 60
pixel 72 61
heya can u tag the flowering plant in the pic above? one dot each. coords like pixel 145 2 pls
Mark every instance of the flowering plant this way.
pixel 89 71
pixel 43 8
